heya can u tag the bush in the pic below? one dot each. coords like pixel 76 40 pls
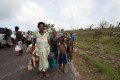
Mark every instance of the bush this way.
pixel 98 33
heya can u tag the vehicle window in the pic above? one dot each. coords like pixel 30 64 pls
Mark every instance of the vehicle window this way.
pixel 59 34
pixel 2 31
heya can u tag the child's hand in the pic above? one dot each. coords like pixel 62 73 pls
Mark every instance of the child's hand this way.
pixel 37 58
pixel 49 55
pixel 33 55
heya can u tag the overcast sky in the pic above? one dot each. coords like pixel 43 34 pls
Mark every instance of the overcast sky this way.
pixel 63 13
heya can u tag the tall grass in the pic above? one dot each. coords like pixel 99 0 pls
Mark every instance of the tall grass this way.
pixel 107 71
pixel 101 44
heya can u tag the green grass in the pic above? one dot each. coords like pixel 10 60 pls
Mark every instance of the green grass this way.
pixel 107 71
pixel 103 44
pixel 84 69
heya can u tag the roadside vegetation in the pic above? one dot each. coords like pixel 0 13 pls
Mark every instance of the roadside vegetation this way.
pixel 100 41
pixel 98 53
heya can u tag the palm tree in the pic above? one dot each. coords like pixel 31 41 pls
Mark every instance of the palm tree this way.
pixel 49 26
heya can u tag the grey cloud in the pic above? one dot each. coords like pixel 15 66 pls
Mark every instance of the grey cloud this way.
pixel 9 9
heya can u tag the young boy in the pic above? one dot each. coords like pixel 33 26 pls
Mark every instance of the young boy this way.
pixel 62 55
pixel 70 51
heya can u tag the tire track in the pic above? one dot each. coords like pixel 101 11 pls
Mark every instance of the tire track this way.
pixel 14 66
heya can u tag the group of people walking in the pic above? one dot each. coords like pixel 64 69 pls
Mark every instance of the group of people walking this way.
pixel 43 44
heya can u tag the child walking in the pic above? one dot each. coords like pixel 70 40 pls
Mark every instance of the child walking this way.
pixel 62 61
pixel 70 51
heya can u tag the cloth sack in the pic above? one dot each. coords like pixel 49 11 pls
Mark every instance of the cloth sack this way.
pixel 33 62
pixel 30 67
pixel 29 49
pixel 17 48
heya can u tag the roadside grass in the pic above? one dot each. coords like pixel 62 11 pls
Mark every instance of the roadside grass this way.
pixel 100 42
pixel 102 45
pixel 103 68
pixel 85 69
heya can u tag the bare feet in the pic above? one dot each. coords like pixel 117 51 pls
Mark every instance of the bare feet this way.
pixel 41 75
pixel 47 75
pixel 59 70
pixel 64 71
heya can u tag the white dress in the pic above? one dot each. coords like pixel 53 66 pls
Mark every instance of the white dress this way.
pixel 42 49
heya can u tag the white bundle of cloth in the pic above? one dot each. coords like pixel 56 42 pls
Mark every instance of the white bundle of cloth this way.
pixel 32 62
pixel 17 48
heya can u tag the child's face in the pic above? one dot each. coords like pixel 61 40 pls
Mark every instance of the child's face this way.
pixel 70 42
pixel 54 33
pixel 60 39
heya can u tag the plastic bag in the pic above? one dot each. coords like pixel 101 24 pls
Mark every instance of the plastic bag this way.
pixel 52 60
pixel 51 55
pixel 52 63
pixel 17 48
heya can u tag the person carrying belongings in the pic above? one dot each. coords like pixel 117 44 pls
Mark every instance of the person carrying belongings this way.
pixel 19 45
pixel 62 59
pixel 54 45
pixel 42 48
pixel 70 51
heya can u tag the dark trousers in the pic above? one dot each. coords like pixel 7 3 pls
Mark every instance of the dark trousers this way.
pixel 28 43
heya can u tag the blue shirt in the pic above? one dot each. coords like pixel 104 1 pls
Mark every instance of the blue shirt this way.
pixel 72 37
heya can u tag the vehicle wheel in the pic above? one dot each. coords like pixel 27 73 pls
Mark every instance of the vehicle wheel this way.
pixel 10 42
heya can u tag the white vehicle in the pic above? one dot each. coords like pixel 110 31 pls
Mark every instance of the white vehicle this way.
pixel 8 41
pixel 59 34
pixel 13 37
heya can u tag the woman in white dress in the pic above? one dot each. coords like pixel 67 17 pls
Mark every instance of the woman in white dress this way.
pixel 41 39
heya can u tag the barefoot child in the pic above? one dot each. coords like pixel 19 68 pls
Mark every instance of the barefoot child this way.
pixel 62 55
pixel 70 51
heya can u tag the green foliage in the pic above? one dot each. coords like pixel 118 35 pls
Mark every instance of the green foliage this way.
pixel 107 71
pixel 99 41
pixel 98 33
pixel 62 30
pixel 49 26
